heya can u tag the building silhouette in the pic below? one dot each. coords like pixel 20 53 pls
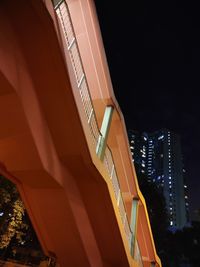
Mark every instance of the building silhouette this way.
pixel 158 156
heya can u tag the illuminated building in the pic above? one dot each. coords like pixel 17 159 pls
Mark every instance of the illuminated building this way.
pixel 158 156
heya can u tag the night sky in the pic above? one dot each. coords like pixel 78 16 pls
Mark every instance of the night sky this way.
pixel 153 53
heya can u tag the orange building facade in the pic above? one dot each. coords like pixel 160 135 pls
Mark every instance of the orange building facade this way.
pixel 63 140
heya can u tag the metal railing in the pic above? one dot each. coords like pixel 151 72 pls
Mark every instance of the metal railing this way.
pixel 137 254
pixel 72 48
pixel 71 44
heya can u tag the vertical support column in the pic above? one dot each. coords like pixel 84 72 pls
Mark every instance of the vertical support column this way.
pixel 133 225
pixel 105 127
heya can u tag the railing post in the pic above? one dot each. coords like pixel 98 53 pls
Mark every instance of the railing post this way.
pixel 56 2
pixel 105 127
pixel 133 225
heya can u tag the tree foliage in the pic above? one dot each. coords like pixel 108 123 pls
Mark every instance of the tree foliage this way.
pixel 12 212
pixel 174 248
pixel 157 211
pixel 16 231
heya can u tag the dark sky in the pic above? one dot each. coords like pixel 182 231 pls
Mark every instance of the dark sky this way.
pixel 153 52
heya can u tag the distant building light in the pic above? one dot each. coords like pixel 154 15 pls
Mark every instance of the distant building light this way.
pixel 131 147
pixel 160 137
pixel 185 186
pixel 145 139
pixel 1 214
pixel 171 223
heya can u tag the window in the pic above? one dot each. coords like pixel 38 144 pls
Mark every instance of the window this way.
pixel 160 137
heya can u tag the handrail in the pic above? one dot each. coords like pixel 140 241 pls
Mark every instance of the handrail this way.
pixel 63 14
pixel 137 254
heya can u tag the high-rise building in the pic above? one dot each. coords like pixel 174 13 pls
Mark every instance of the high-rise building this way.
pixel 158 156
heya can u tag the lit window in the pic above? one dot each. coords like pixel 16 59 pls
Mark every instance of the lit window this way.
pixel 131 147
pixel 185 186
pixel 161 137
pixel 1 214
pixel 171 223
pixel 170 182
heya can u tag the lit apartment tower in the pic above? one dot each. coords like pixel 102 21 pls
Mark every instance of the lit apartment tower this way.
pixel 158 156
pixel 63 140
